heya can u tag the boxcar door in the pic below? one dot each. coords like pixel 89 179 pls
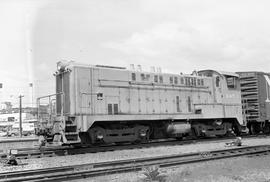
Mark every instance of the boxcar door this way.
pixel 266 98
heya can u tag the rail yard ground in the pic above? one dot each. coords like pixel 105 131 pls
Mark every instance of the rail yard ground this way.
pixel 174 174
pixel 242 169
pixel 7 143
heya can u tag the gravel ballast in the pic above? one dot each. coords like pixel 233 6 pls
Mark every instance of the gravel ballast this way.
pixel 48 162
pixel 241 169
pixel 7 143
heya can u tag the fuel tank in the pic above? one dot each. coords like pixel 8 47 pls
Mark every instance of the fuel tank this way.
pixel 178 128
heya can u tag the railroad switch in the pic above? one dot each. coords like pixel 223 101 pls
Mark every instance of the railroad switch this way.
pixel 11 159
pixel 236 142
pixel 41 141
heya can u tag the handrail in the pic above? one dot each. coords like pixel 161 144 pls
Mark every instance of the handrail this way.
pixel 50 104
pixel 49 95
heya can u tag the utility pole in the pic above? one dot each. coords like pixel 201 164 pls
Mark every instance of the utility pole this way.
pixel 20 97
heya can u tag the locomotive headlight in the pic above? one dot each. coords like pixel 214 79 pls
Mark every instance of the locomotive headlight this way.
pixel 61 66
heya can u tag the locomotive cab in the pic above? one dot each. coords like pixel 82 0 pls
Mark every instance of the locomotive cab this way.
pixel 225 89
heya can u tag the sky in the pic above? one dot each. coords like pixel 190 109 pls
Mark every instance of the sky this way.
pixel 176 35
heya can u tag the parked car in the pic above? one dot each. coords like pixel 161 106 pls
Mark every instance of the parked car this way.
pixel 27 129
pixel 13 132
pixel 28 133
pixel 3 133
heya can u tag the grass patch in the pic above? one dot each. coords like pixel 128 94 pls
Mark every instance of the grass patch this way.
pixel 152 173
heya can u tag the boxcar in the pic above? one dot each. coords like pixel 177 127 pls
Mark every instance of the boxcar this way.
pixel 255 100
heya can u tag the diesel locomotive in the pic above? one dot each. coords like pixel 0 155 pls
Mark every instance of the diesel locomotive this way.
pixel 96 104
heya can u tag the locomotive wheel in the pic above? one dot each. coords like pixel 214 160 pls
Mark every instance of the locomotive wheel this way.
pixel 232 131
pixel 85 138
pixel 137 142
pixel 266 127
pixel 235 131
pixel 96 135
pixel 146 138
pixel 252 130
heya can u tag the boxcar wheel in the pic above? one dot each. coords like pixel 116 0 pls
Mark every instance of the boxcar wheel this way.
pixel 253 129
pixel 266 129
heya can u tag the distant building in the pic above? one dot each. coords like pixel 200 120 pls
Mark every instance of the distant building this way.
pixel 32 110
pixel 15 117
pixel 11 118
pixel 7 106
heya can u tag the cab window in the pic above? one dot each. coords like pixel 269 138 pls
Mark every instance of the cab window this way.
pixel 191 82
pixel 231 82
pixel 156 78
pixel 145 77
pixel 182 80
pixel 160 79
pixel 175 80
pixel 133 76
pixel 171 80
pixel 199 82
pixel 217 81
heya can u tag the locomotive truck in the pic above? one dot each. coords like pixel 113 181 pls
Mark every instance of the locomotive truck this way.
pixel 96 104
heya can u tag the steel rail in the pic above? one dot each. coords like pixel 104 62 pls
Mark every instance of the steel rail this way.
pixel 26 153
pixel 112 167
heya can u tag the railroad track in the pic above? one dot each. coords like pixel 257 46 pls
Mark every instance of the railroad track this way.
pixel 124 166
pixel 27 153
